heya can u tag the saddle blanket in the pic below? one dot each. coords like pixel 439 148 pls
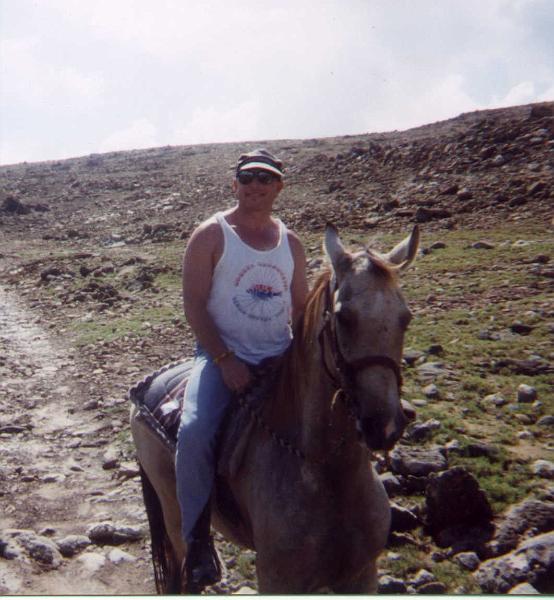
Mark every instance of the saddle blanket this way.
pixel 159 401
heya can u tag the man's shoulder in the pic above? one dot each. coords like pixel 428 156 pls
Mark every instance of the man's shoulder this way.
pixel 208 228
pixel 294 240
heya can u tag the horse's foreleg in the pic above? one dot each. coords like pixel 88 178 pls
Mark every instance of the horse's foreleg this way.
pixel 365 582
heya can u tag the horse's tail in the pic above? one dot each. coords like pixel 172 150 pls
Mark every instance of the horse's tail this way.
pixel 166 571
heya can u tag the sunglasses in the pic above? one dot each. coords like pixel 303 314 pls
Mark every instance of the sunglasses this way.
pixel 263 177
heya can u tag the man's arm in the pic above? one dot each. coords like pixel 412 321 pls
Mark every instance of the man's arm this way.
pixel 198 266
pixel 299 284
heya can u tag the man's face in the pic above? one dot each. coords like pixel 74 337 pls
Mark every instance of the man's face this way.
pixel 254 194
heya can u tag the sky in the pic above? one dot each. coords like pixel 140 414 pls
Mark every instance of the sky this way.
pixel 91 76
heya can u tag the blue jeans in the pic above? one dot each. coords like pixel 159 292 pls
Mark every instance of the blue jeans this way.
pixel 205 403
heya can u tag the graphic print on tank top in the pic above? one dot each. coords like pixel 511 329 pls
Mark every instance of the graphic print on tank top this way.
pixel 259 291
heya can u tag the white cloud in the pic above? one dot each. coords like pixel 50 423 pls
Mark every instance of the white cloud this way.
pixel 141 133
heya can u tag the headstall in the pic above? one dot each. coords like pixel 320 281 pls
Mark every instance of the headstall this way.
pixel 344 370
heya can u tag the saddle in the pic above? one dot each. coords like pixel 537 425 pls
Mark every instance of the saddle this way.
pixel 159 400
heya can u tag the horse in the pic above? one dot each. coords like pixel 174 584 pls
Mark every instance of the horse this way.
pixel 310 502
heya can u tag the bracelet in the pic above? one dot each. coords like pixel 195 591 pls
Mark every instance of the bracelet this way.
pixel 221 356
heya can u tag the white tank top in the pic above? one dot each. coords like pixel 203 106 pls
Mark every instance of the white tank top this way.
pixel 250 299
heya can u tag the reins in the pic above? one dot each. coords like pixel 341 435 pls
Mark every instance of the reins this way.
pixel 342 378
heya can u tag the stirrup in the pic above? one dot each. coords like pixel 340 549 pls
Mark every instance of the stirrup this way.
pixel 201 566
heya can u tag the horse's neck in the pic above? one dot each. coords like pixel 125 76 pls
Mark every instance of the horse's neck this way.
pixel 327 431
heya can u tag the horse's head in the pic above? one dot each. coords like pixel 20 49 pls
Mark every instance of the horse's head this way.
pixel 369 318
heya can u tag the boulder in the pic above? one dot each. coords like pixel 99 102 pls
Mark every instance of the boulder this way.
pixel 543 468
pixel 528 516
pixel 403 519
pixel 72 544
pixel 418 462
pixel 420 431
pixel 526 393
pixel 458 513
pixel 532 562
pixel 39 548
pixel 467 560
pixel 112 535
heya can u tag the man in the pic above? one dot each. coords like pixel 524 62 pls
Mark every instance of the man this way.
pixel 244 281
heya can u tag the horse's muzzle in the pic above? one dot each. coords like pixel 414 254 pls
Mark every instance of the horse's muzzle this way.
pixel 379 435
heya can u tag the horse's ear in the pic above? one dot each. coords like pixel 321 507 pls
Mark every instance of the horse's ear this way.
pixel 334 249
pixel 404 252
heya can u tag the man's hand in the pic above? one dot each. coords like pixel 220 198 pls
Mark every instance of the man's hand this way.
pixel 235 373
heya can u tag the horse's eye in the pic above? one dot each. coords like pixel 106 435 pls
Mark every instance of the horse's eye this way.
pixel 346 317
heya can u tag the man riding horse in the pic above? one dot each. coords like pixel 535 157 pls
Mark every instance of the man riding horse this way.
pixel 244 283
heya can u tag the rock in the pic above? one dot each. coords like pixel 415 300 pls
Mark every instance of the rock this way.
pixel 391 484
pixel 521 328
pixel 92 561
pixel 532 562
pixel 528 516
pixel 482 245
pixel 431 391
pixel 495 399
pixel 412 356
pixel 467 560
pixel 128 470
pixel 543 468
pixel 245 591
pixel 464 194
pixel 523 589
pixel 437 246
pixel 536 187
pixel 422 577
pixel 546 421
pixel 9 549
pixel 457 510
pixel 417 461
pixel 435 349
pixel 391 585
pixel 118 556
pixel 109 534
pixel 14 206
pixel 476 449
pixel 431 369
pixel 39 548
pixel 403 519
pixel 433 587
pixel 420 431
pixel 424 215
pixel 110 459
pixel 526 393
pixel 72 544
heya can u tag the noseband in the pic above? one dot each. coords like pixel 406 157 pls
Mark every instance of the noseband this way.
pixel 345 371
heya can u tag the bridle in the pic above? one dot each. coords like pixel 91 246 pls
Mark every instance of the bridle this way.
pixel 344 372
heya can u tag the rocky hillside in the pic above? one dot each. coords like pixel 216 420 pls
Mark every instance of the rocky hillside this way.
pixel 478 166
pixel 90 252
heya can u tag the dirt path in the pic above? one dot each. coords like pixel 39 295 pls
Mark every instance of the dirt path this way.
pixel 52 480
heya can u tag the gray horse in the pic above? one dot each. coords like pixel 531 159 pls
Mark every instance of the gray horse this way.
pixel 310 503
